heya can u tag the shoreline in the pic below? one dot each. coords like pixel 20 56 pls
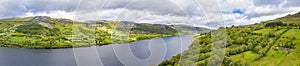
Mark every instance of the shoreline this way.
pixel 94 45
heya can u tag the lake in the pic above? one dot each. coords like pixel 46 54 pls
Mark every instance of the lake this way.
pixel 138 53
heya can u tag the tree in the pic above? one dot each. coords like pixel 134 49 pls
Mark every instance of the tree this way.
pixel 277 23
pixel 7 34
pixel 227 62
pixel 243 48
pixel 257 49
pixel 52 41
pixel 26 43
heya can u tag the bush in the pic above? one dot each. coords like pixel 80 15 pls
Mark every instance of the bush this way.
pixel 277 23
pixel 32 29
pixel 37 29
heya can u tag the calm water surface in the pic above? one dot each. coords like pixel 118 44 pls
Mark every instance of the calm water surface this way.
pixel 139 53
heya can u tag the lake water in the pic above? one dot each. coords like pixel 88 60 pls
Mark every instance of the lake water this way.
pixel 139 53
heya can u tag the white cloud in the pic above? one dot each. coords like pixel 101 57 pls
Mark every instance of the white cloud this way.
pixel 255 10
pixel 230 5
pixel 155 11
pixel 237 19
pixel 55 14
pixel 122 14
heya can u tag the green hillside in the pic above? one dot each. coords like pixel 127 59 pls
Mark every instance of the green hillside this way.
pixel 269 43
pixel 47 32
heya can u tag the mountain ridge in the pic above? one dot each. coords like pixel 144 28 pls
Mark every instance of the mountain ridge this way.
pixel 47 18
pixel 47 32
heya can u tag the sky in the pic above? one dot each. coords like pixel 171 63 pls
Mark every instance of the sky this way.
pixel 202 13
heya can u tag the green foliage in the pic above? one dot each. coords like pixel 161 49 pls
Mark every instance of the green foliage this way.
pixel 42 32
pixel 277 23
pixel 37 29
pixel 171 62
pixel 269 43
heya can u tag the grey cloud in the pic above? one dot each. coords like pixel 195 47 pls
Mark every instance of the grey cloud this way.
pixel 42 5
pixel 113 4
pixel 158 6
pixel 13 8
pixel 286 3
pixel 292 3
pixel 267 2
pixel 135 9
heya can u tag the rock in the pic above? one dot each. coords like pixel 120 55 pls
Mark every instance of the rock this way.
pixel 41 19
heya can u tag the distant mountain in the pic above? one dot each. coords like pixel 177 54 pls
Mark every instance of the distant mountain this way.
pixel 269 43
pixel 47 32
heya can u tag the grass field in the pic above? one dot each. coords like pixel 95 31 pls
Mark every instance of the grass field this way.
pixel 245 57
pixel 282 57
pixel 270 43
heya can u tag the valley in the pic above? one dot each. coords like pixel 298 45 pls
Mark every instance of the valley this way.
pixel 46 33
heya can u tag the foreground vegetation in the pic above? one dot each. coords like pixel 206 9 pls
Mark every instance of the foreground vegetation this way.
pixel 46 32
pixel 269 43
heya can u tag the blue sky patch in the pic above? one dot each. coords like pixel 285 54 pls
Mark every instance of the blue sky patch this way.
pixel 238 11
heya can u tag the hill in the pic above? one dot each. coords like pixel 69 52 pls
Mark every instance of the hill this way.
pixel 269 43
pixel 47 32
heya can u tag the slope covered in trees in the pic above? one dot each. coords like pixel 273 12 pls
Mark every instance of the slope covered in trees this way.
pixel 47 32
pixel 269 43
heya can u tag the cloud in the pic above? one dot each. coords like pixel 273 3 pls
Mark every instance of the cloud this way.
pixel 123 14
pixel 212 13
pixel 269 10
pixel 237 19
pixel 56 14
pixel 267 2
pixel 256 10
pixel 292 3
pixel 13 8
